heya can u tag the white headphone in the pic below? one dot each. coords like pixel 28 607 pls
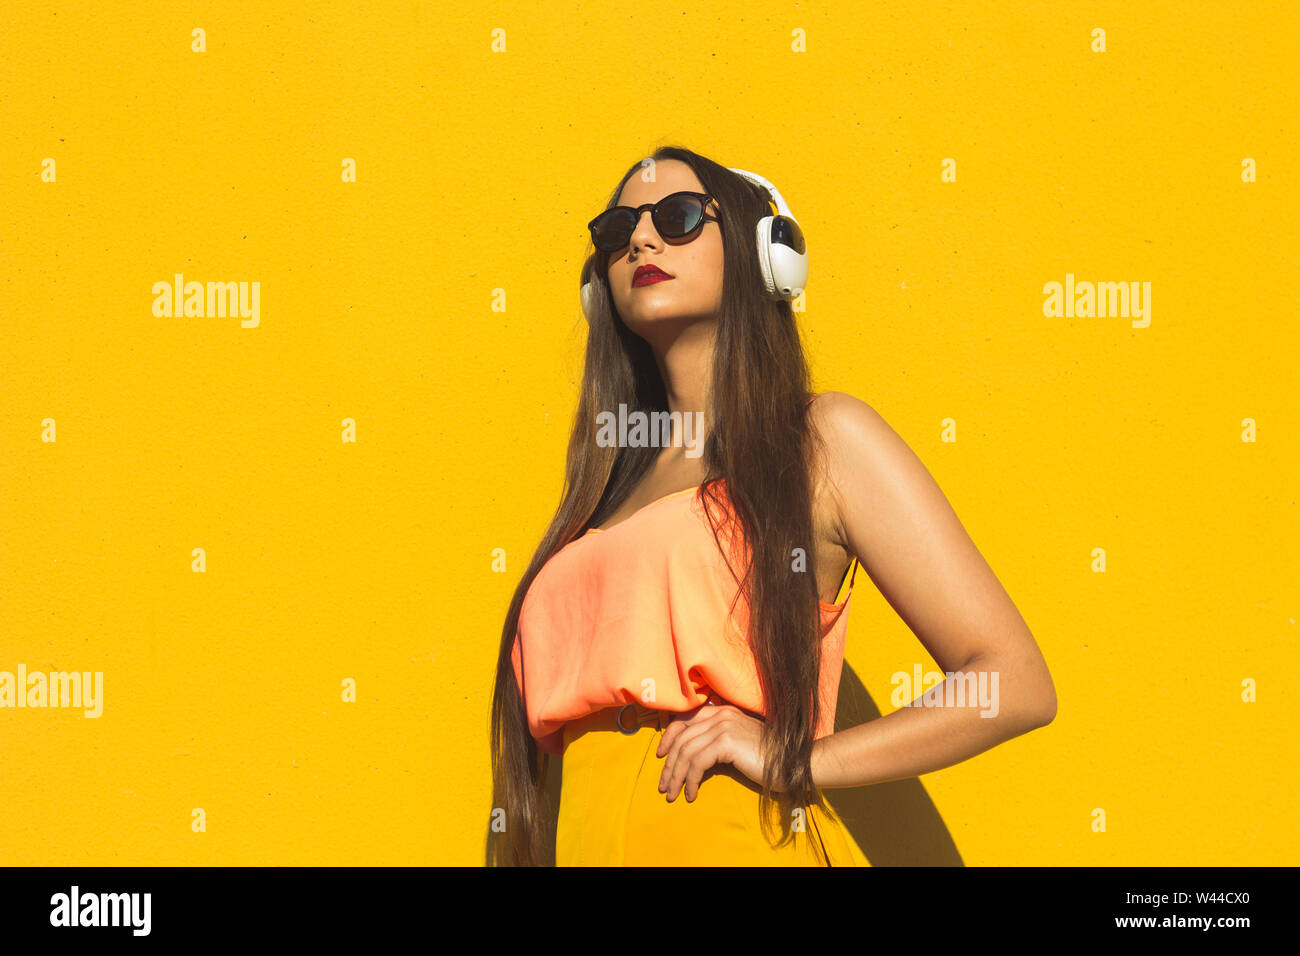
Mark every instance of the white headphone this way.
pixel 782 252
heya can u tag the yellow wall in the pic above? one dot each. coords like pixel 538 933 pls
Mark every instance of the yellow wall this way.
pixel 478 170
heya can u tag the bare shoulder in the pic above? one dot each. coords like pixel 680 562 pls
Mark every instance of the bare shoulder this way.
pixel 839 415
pixel 860 454
pixel 852 430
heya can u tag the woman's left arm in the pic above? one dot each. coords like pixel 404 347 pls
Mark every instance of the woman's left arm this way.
pixel 893 516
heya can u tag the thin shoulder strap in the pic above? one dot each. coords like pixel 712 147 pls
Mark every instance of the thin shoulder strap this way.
pixel 811 400
pixel 853 567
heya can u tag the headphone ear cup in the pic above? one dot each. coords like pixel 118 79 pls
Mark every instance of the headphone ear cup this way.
pixel 762 234
pixel 589 281
pixel 786 254
pixel 782 257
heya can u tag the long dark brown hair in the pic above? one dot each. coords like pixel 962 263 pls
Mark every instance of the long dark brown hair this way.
pixel 759 444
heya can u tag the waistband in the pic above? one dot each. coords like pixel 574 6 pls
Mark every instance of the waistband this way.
pixel 630 718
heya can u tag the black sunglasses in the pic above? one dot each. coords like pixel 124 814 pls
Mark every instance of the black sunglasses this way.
pixel 674 217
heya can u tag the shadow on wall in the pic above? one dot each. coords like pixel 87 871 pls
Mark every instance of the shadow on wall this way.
pixel 894 824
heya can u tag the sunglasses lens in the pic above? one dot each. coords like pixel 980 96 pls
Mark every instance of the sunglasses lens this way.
pixel 613 230
pixel 677 215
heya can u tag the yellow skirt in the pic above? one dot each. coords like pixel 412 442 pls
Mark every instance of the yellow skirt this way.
pixel 613 814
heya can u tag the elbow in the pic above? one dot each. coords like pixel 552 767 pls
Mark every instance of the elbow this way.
pixel 1044 710
pixel 1034 703
pixel 1048 712
pixel 1040 697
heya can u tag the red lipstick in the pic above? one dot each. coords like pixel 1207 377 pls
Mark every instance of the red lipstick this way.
pixel 648 275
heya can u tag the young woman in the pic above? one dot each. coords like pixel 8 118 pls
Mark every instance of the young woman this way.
pixel 676 636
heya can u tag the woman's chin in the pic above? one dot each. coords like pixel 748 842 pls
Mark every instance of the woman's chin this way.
pixel 646 321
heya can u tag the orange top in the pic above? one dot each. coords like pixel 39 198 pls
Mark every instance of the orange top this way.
pixel 638 613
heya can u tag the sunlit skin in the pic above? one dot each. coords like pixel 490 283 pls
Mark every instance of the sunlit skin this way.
pixel 873 500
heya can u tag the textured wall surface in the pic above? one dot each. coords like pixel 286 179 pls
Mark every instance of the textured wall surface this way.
pixel 183 510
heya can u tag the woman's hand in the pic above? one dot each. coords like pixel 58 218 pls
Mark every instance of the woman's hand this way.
pixel 713 734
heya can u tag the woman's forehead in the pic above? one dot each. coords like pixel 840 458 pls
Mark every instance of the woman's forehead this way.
pixel 669 178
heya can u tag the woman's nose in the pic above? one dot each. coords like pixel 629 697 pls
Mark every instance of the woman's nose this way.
pixel 644 233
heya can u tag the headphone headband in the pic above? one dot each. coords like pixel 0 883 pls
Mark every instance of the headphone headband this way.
pixel 758 180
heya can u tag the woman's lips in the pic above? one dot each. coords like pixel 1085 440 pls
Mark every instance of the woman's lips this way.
pixel 650 278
